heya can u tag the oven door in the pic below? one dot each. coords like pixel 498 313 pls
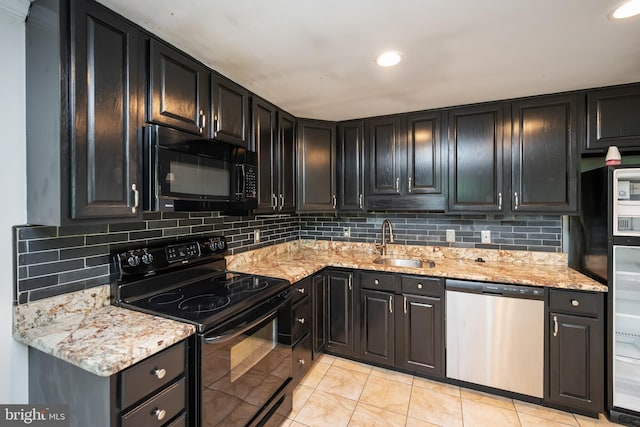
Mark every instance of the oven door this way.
pixel 245 369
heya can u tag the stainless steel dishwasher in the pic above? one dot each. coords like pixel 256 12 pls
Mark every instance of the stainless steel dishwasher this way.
pixel 495 335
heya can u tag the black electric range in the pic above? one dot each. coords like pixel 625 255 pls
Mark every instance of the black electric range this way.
pixel 232 312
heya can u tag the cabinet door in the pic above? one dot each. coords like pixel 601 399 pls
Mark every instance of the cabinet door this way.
pixel 230 110
pixel 377 328
pixel 613 118
pixel 424 164
pixel 386 155
pixel 264 140
pixel 544 166
pixel 476 158
pixel 286 162
pixel 340 312
pixel 319 315
pixel 576 362
pixel 316 166
pixel 351 166
pixel 105 173
pixel 420 335
pixel 179 90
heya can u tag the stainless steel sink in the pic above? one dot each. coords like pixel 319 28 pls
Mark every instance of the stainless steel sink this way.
pixel 404 262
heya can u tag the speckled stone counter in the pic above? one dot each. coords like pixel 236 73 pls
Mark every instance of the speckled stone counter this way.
pixel 84 330
pixel 296 260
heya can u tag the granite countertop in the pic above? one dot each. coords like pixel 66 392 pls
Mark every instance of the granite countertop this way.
pixel 84 330
pixel 296 260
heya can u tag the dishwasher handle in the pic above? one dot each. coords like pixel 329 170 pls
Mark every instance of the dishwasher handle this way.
pixel 495 289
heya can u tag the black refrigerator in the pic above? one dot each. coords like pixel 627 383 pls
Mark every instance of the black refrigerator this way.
pixel 605 245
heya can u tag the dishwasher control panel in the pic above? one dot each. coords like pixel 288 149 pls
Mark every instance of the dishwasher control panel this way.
pixel 497 289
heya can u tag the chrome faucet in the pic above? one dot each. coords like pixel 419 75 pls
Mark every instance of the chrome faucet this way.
pixel 383 246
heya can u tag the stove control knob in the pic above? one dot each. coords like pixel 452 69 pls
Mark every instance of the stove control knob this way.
pixel 147 258
pixel 133 260
pixel 221 244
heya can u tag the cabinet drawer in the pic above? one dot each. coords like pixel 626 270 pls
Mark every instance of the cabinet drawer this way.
pixel 159 409
pixel 300 319
pixel 300 290
pixel 148 375
pixel 378 281
pixel 420 285
pixel 576 302
pixel 301 359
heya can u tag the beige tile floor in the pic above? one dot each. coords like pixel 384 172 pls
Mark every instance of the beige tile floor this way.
pixel 339 392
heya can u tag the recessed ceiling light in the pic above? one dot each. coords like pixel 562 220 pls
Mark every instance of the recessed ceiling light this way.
pixel 627 9
pixel 388 59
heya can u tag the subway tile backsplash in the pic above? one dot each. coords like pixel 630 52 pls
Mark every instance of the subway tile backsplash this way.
pixel 55 260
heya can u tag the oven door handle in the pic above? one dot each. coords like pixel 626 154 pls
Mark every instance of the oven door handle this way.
pixel 249 324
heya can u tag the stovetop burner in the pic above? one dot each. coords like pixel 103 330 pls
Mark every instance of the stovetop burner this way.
pixel 204 303
pixel 166 298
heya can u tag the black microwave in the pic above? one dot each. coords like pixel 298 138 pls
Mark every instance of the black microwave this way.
pixel 185 173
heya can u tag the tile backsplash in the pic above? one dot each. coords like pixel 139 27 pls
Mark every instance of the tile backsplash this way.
pixel 56 260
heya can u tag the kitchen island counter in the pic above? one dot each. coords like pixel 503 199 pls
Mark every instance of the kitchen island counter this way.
pixel 298 259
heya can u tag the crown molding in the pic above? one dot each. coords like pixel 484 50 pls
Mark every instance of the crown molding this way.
pixel 16 9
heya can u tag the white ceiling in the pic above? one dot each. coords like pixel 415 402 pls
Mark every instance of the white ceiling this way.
pixel 315 58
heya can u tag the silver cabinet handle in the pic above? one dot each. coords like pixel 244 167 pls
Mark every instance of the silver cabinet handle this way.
pixel 555 326
pixel 350 284
pixel 515 195
pixel 409 189
pixel 274 201
pixel 301 290
pixel 397 185
pixel 499 201
pixel 203 120
pixel 405 305
pixel 333 201
pixel 281 202
pixel 376 282
pixel 301 361
pixel 215 125
pixel 300 320
pixel 136 198
pixel 159 413
pixel 360 201
pixel 159 373
pixel 575 302
pixel 390 303
pixel 419 285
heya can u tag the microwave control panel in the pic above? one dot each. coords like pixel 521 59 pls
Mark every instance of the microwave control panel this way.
pixel 250 183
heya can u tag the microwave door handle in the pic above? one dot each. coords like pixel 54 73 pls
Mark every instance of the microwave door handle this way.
pixel 240 329
pixel 244 181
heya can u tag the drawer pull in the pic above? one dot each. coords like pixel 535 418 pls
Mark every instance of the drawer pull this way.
pixel 301 361
pixel 301 290
pixel 376 282
pixel 160 373
pixel 300 320
pixel 419 285
pixel 575 302
pixel 159 413
pixel 555 326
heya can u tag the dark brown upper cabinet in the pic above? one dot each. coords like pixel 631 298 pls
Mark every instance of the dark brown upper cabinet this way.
pixel 179 86
pixel 544 153
pixel 230 110
pixel 84 85
pixel 613 118
pixel 476 141
pixel 316 166
pixel 274 140
pixel 351 166
pixel 405 162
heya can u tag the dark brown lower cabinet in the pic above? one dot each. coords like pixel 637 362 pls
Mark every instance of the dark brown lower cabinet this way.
pixel 576 351
pixel 340 312
pixel 420 335
pixel 377 329
pixel 319 313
